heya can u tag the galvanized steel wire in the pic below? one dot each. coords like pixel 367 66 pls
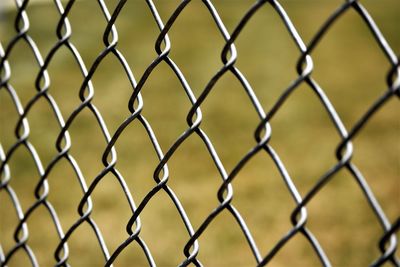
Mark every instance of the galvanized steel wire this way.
pixel 225 194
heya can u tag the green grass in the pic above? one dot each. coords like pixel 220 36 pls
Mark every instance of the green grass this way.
pixel 348 65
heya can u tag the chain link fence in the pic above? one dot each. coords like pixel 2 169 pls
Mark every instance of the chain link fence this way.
pixel 162 180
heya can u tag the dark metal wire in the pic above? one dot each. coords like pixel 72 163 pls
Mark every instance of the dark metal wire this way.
pixel 225 194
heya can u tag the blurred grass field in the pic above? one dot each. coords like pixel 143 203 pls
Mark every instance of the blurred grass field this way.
pixel 349 66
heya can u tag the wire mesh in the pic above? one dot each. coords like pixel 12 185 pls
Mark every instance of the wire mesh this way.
pixel 225 193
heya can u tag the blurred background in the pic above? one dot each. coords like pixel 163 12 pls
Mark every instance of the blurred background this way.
pixel 349 66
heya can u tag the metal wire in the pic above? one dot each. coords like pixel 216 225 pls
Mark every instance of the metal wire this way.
pixel 225 193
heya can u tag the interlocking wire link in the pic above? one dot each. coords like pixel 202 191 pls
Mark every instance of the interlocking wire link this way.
pixel 225 193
